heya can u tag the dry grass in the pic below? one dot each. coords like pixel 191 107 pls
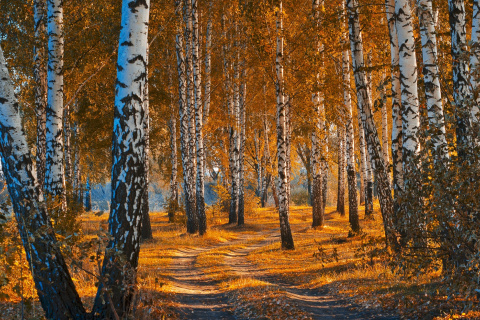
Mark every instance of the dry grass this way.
pixel 352 267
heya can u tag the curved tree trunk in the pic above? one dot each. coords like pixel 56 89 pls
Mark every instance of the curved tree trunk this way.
pixel 58 296
pixel 128 170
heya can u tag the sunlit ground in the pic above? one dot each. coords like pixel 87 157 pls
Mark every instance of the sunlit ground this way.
pixel 247 265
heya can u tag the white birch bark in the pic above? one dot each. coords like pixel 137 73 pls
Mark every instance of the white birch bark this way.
pixel 432 78
pixel 234 133
pixel 397 141
pixel 318 133
pixel 55 288
pixel 242 137
pixel 385 144
pixel 208 64
pixel 474 64
pixel 371 135
pixel 461 81
pixel 350 142
pixel 408 80
pixel 282 132
pixel 146 231
pixel 190 182
pixel 128 169
pixel 172 125
pixel 40 76
pixel 54 169
pixel 200 177
pixel 341 171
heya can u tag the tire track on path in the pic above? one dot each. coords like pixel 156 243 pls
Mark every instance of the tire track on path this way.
pixel 320 303
pixel 196 293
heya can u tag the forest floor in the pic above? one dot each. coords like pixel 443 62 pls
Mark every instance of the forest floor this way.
pixel 242 273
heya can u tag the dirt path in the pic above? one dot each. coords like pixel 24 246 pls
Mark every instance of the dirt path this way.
pixel 199 297
pixel 319 303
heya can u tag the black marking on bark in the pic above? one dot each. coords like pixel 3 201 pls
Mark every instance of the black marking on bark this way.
pixel 3 100
pixel 136 3
pixel 128 99
pixel 120 84
pixel 127 43
pixel 138 57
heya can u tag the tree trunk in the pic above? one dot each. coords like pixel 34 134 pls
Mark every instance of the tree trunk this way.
pixel 350 143
pixel 432 78
pixel 410 112
pixel 318 139
pixel 54 169
pixel 184 108
pixel 128 169
pixel 88 196
pixel 193 221
pixel 374 147
pixel 40 77
pixel 282 132
pixel 474 62
pixel 58 296
pixel 200 178
pixel 242 140
pixel 368 162
pixel 397 182
pixel 363 158
pixel 341 171
pixel 461 85
pixel 208 64
pixel 385 146
pixel 172 125
pixel 146 225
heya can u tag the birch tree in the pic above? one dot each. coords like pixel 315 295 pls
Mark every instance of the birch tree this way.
pixel 200 178
pixel 318 165
pixel 431 77
pixel 410 106
pixel 350 141
pixel 146 225
pixel 54 169
pixel 397 141
pixel 172 126
pixel 285 231
pixel 40 76
pixel 57 295
pixel 128 169
pixel 474 62
pixel 341 171
pixel 373 142
pixel 461 82
pixel 185 137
